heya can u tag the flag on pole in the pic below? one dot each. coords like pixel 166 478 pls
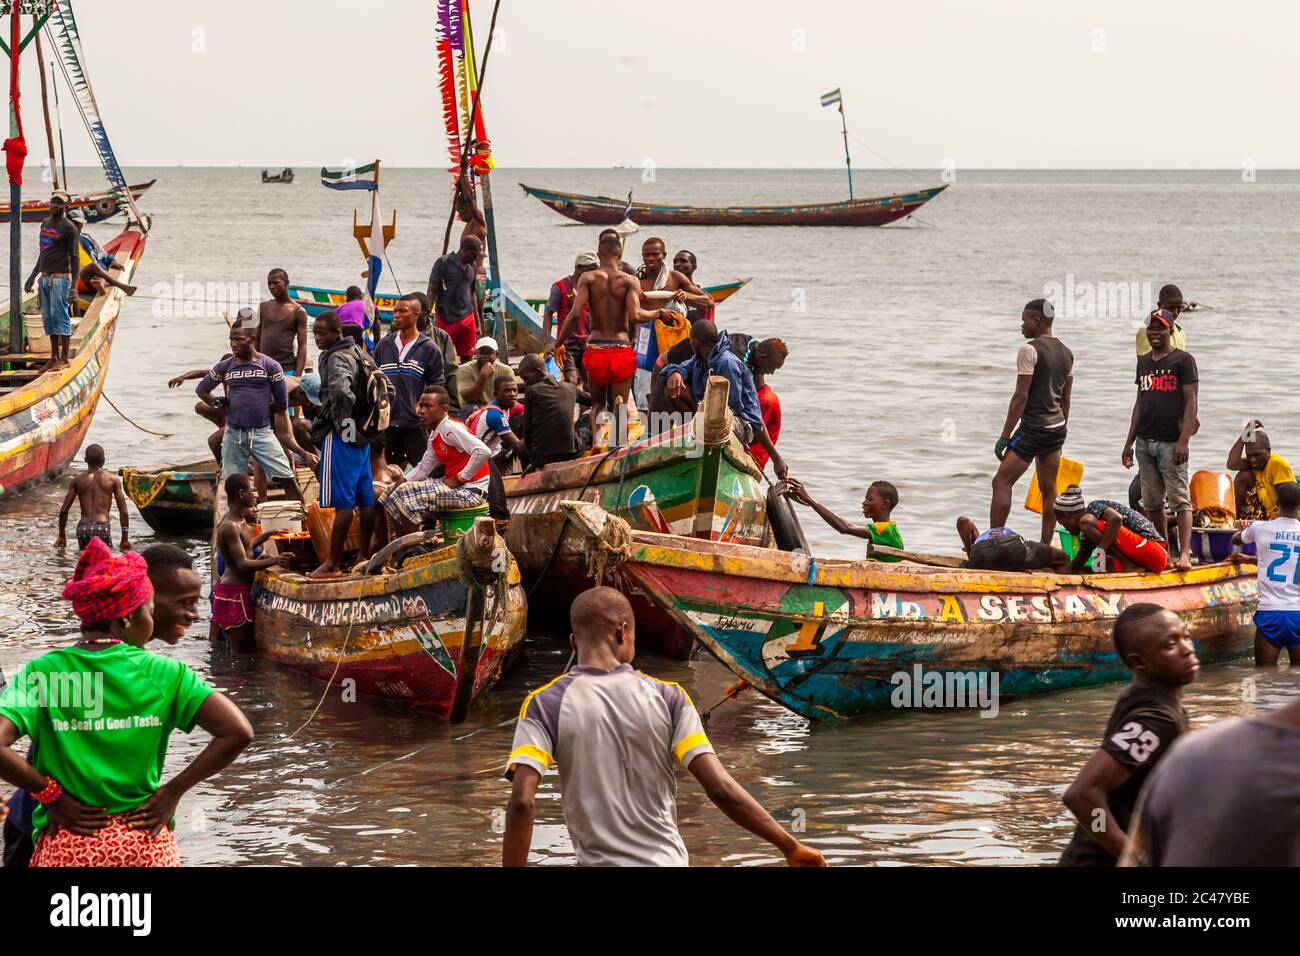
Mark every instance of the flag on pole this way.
pixel 376 263
pixel 362 177
pixel 832 98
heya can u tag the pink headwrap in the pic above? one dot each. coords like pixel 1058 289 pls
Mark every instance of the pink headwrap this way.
pixel 103 587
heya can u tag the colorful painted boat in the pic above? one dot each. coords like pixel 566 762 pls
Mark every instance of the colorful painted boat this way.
pixel 400 636
pixel 179 500
pixel 91 207
pixel 315 300
pixel 696 479
pixel 43 418
pixel 604 211
pixel 830 639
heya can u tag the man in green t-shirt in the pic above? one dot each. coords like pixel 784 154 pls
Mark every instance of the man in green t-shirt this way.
pixel 880 501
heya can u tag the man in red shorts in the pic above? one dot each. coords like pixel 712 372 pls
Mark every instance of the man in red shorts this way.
pixel 453 292
pixel 1116 529
pixel 614 299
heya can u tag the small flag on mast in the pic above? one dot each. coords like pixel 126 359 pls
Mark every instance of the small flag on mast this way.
pixel 832 98
pixel 360 177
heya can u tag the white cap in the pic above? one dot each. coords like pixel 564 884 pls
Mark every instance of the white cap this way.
pixel 586 259
pixel 487 342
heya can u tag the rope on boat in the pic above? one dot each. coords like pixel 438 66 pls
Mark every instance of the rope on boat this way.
pixel 136 424
pixel 614 546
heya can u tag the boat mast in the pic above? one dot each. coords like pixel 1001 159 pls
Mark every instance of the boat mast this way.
pixel 58 121
pixel 844 126
pixel 45 108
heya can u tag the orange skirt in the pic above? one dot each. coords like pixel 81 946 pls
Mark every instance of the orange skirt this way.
pixel 115 845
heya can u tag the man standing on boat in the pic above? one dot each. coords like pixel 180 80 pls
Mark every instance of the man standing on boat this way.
pixel 282 326
pixel 1164 418
pixel 686 263
pixel 657 282
pixel 614 299
pixel 558 305
pixel 255 397
pixel 58 264
pixel 452 290
pixel 1041 407
pixel 412 362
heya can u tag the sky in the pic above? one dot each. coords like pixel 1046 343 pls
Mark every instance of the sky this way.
pixel 700 83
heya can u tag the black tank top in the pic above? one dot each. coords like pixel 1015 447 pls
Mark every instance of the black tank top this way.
pixel 1054 365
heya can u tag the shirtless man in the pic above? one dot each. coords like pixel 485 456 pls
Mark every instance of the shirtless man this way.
pixel 232 595
pixel 282 326
pixel 96 490
pixel 622 263
pixel 614 299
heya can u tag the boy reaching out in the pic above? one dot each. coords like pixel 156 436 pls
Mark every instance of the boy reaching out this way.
pixel 96 491
pixel 879 503
pixel 614 733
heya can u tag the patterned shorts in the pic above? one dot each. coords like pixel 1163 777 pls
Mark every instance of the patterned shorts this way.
pixel 411 500
pixel 115 845
pixel 87 531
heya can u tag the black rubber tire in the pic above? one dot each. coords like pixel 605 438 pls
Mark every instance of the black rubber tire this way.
pixel 786 530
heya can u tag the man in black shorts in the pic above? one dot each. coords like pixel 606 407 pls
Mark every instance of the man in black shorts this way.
pixel 1041 406
pixel 1154 644
pixel 1001 549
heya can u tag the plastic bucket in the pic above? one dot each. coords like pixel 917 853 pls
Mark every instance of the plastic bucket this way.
pixel 1069 473
pixel 455 523
pixel 1213 493
pixel 1215 544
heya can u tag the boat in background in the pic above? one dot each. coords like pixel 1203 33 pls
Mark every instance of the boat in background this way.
pixel 91 207
pixel 604 211
pixel 695 480
pixel 829 639
pixel 283 176
pixel 179 501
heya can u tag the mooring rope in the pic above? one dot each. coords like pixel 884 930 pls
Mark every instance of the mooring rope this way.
pixel 130 421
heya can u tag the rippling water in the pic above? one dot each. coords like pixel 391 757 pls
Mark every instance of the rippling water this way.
pixel 900 368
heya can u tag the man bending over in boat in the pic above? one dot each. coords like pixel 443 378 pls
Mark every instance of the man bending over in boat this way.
pixel 618 787
pixel 95 490
pixel 232 595
pixel 1038 413
pixel 877 505
pixel 1116 529
pixel 94 275
pixel 713 356
pixel 1001 549
pixel 1154 644
pixel 462 457
pixel 614 298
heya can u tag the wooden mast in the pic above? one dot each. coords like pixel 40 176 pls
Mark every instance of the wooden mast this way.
pixel 45 108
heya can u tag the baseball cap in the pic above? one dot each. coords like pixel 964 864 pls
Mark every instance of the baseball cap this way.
pixel 586 259
pixel 60 194
pixel 1161 317
pixel 487 342
pixel 310 385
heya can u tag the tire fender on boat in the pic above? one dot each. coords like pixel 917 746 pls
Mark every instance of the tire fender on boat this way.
pixel 786 530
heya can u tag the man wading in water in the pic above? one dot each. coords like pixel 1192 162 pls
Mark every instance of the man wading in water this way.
pixel 614 298
pixel 96 490
pixel 1041 404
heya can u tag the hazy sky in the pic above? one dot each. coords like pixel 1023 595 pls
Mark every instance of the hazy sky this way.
pixel 1018 83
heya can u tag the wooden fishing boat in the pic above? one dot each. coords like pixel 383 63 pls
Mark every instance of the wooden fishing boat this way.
pixel 92 207
pixel 696 479
pixel 829 639
pixel 605 211
pixel 283 176
pixel 43 418
pixel 180 500
pixel 316 300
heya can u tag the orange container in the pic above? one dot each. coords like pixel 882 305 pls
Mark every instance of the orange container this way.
pixel 320 523
pixel 1213 493
pixel 1069 472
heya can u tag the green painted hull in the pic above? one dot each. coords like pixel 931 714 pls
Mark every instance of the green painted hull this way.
pixel 179 502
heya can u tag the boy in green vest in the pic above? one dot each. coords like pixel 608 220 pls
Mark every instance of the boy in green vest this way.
pixel 880 501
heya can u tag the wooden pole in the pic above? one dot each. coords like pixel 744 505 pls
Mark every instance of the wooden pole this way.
pixel 844 126
pixel 58 121
pixel 15 196
pixel 45 108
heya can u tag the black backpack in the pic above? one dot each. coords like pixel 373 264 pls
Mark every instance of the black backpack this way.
pixel 372 410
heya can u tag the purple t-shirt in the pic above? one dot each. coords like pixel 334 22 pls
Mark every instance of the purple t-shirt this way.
pixel 353 313
pixel 255 389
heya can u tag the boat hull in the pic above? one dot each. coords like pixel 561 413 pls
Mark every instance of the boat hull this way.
pixel 92 207
pixel 43 423
pixel 657 484
pixel 398 636
pixel 180 501
pixel 829 642
pixel 603 210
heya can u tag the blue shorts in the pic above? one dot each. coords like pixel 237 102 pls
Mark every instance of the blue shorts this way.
pixel 259 444
pixel 345 480
pixel 54 304
pixel 1280 628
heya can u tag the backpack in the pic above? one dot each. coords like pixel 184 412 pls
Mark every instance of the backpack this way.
pixel 372 410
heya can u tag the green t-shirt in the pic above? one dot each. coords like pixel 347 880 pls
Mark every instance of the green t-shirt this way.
pixel 886 533
pixel 101 720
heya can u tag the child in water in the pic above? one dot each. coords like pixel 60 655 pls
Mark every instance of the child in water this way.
pixel 878 505
pixel 96 491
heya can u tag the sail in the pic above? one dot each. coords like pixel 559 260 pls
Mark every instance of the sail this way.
pixel 72 62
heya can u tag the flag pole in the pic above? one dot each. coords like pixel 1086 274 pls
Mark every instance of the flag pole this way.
pixel 844 126
pixel 15 189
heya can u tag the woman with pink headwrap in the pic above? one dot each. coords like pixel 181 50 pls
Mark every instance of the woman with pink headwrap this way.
pixel 99 714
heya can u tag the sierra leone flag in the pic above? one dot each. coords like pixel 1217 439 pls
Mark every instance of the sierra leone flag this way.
pixel 362 177
pixel 831 98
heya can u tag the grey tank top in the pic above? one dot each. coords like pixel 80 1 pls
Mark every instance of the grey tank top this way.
pixel 1053 368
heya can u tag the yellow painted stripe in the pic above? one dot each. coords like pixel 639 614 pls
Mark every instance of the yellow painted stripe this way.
pixel 536 753
pixel 689 744
pixel 523 709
